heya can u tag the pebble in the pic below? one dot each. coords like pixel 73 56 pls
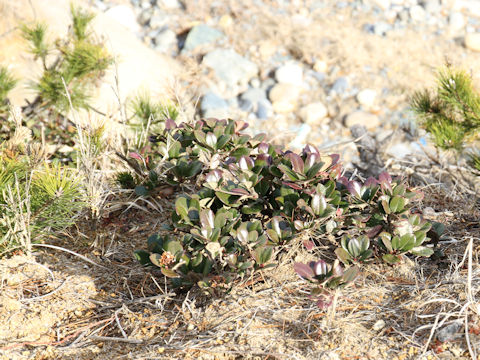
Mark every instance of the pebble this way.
pixel 320 66
pixel 456 21
pixel 366 98
pixel 400 150
pixel 201 35
pixel 313 113
pixel 284 97
pixel 158 20
pixel 340 86
pixel 379 325
pixel 165 41
pixel 213 105
pixel 230 67
pixel 124 15
pixel 290 74
pixel 265 109
pixel 382 4
pixel 451 332
pixel 417 13
pixel 472 41
pixel 169 4
pixel 250 98
pixel 369 120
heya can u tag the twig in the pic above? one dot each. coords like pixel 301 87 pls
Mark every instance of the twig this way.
pixel 70 252
pixel 116 339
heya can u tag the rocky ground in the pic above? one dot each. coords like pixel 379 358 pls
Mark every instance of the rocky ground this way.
pixel 305 71
pixel 302 71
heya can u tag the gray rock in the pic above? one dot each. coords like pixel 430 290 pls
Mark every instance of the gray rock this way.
pixel 158 20
pixel 230 67
pixel 340 86
pixel 451 332
pixel 267 84
pixel 201 35
pixel 166 41
pixel 400 150
pixel 250 98
pixel 265 109
pixel 381 28
pixel 145 16
pixel 213 105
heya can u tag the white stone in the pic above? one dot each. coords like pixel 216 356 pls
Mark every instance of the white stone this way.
pixel 284 97
pixel 472 41
pixel 367 98
pixel 382 4
pixel 379 325
pixel 417 13
pixel 456 21
pixel 369 120
pixel 124 15
pixel 170 4
pixel 313 113
pixel 290 74
pixel 320 66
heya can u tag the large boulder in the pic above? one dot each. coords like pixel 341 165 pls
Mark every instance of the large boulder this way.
pixel 137 66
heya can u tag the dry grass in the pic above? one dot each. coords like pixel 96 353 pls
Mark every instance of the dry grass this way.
pixel 121 310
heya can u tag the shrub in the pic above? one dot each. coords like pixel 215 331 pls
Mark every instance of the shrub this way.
pixel 251 199
pixel 451 114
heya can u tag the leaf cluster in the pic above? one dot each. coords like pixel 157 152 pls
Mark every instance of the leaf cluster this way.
pixel 252 199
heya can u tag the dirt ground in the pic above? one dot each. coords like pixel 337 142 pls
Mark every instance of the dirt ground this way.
pixel 56 305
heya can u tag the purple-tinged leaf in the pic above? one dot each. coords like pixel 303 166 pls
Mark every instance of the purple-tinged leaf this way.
pixel 304 271
pixel 324 304
pixel 335 158
pixel 267 159
pixel 297 162
pixel 214 176
pixel 311 160
pixel 263 148
pixel 135 156
pixel 374 231
pixel 371 182
pixel 310 149
pixel 319 267
pixel 385 177
pixel 238 191
pixel 246 163
pixel 292 185
pixel 309 245
pixel 240 125
pixel 170 124
pixel 354 188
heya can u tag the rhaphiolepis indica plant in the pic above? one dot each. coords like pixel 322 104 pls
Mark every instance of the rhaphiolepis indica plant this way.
pixel 252 198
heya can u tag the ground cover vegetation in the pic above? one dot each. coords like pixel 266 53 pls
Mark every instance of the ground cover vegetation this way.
pixel 240 202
